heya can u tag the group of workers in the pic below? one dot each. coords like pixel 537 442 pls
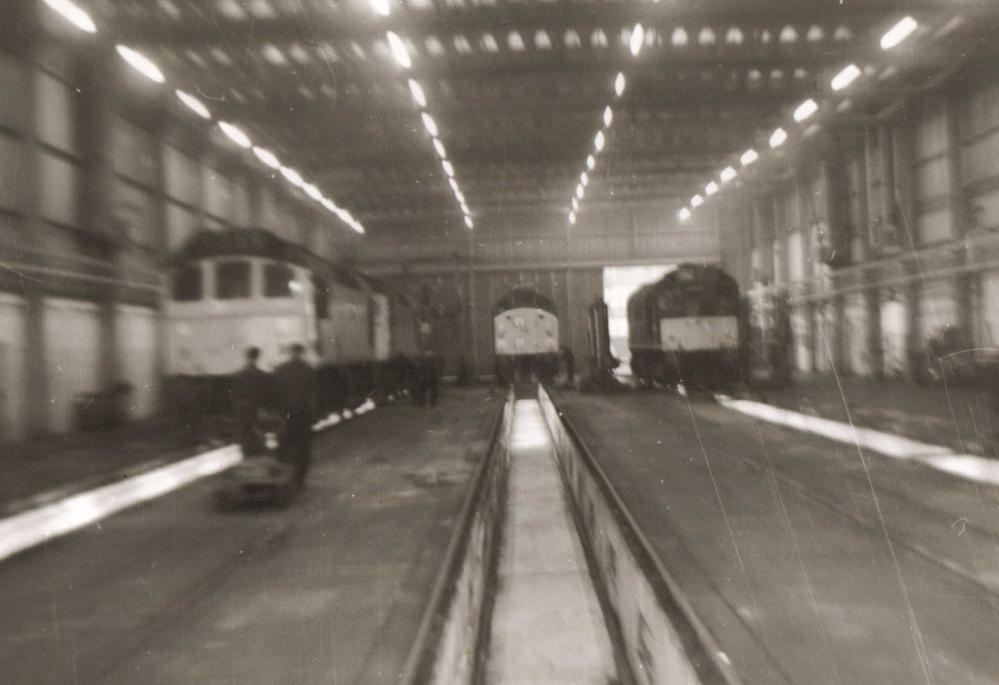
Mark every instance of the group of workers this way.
pixel 292 391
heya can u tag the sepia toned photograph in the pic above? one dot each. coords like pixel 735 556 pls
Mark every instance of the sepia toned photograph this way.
pixel 499 342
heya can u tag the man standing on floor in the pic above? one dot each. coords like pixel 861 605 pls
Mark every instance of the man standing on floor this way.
pixel 296 390
pixel 251 390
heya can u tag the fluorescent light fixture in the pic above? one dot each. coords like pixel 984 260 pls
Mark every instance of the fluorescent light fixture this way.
pixel 805 109
pixel 696 201
pixel 572 217
pixel 418 95
pixel 727 174
pixel 235 134
pixel 194 104
pixel 312 192
pixel 748 157
pixel 637 37
pixel 711 188
pixel 460 197
pixel 591 162
pixel 141 63
pixel 469 222
pixel 598 141
pixel 584 179
pixel 684 214
pixel 575 204
pixel 382 7
pixel 329 204
pixel 292 176
pixel 399 50
pixel 845 77
pixel 454 185
pixel 75 15
pixel 778 137
pixel 619 84
pixel 439 146
pixel 429 124
pixel 448 169
pixel 608 116
pixel 267 157
pixel 899 32
pixel 579 191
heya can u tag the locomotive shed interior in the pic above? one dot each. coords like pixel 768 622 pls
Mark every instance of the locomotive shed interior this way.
pixel 652 341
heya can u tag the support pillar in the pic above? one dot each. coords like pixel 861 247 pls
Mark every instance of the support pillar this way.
pixel 96 118
pixel 32 233
pixel 968 286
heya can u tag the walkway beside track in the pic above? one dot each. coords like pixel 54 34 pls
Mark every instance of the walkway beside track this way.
pixel 547 625
pixel 330 590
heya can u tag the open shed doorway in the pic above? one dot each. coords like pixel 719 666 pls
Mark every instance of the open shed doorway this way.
pixel 620 282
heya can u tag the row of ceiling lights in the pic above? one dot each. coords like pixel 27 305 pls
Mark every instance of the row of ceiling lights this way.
pixel 401 54
pixel 893 37
pixel 145 66
pixel 635 43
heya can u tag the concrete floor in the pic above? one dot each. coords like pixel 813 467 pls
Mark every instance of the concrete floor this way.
pixel 786 549
pixel 330 590
pixel 547 625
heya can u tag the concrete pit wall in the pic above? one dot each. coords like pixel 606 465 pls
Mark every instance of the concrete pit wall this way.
pixel 447 649
pixel 663 640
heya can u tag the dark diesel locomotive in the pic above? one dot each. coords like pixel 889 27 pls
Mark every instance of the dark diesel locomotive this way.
pixel 525 336
pixel 246 287
pixel 688 328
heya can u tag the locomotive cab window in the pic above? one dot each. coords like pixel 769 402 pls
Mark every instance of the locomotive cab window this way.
pixel 277 280
pixel 232 280
pixel 187 283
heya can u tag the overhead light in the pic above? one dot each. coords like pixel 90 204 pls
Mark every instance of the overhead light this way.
pixel 292 176
pixel 439 146
pixel 579 191
pixel 778 137
pixel 748 157
pixel 727 174
pixel 454 186
pixel 572 217
pixel 418 95
pixel 637 37
pixel 575 204
pixel 429 124
pixel 448 169
pixel 235 134
pixel 696 201
pixel 313 192
pixel 608 116
pixel 619 84
pixel 684 214
pixel 382 7
pixel 591 162
pixel 805 109
pixel 329 204
pixel 469 222
pixel 194 104
pixel 399 50
pixel 267 157
pixel 899 32
pixel 75 15
pixel 845 77
pixel 598 142
pixel 584 179
pixel 141 63
pixel 460 197
pixel 711 188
